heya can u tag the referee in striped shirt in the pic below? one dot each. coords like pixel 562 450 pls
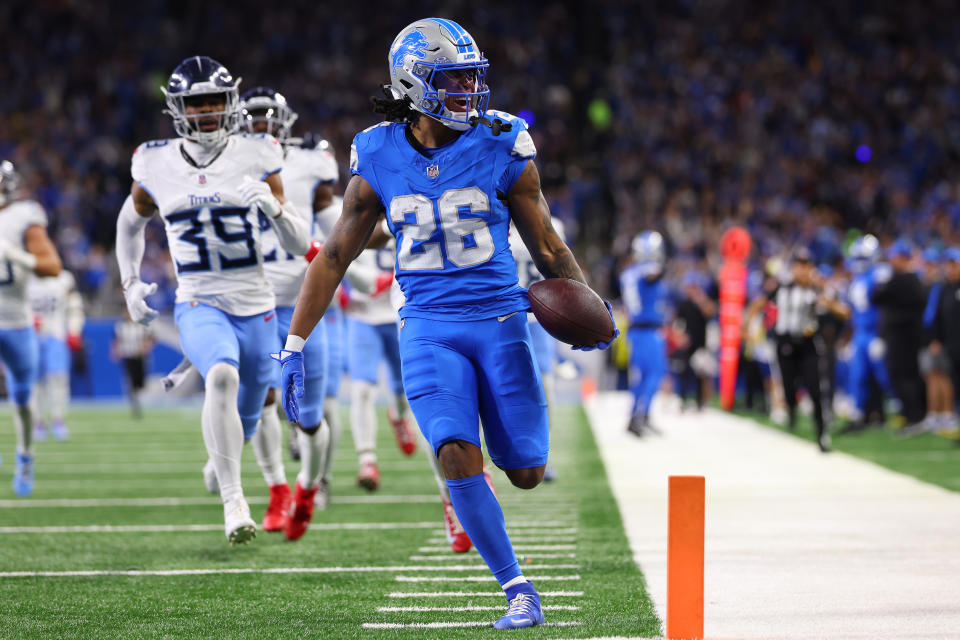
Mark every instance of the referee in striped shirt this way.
pixel 799 302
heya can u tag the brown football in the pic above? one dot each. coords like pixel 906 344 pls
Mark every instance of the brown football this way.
pixel 571 312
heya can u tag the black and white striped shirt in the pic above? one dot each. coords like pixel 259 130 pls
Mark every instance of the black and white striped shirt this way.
pixel 131 339
pixel 797 310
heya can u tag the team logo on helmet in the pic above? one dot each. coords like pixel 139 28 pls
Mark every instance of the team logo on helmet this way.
pixel 414 43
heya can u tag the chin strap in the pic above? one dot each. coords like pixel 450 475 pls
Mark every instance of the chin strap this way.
pixel 496 125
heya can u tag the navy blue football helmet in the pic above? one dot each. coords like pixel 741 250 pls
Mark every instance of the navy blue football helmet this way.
pixel 198 76
pixel 9 180
pixel 263 104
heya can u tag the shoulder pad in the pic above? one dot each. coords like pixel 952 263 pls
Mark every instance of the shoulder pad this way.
pixel 521 144
pixel 367 142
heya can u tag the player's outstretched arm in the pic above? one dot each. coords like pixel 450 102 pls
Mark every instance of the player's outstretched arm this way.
pixel 41 256
pixel 135 213
pixel 531 214
pixel 361 212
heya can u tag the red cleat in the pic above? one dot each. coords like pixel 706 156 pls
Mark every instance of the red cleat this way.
pixel 406 440
pixel 278 511
pixel 369 476
pixel 302 511
pixel 456 536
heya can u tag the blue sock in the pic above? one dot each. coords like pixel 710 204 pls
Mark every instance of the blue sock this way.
pixel 482 519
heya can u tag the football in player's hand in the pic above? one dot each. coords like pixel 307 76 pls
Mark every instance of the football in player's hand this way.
pixel 571 311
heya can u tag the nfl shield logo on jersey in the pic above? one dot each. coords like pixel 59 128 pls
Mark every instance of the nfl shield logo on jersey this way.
pixel 202 179
pixel 433 171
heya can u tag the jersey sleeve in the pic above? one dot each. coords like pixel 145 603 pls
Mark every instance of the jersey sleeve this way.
pixel 518 148
pixel 326 167
pixel 363 150
pixel 138 165
pixel 268 154
pixel 35 215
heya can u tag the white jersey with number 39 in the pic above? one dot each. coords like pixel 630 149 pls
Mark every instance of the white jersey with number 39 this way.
pixel 303 171
pixel 214 239
pixel 15 219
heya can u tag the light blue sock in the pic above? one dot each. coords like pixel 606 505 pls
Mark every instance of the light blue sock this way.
pixel 482 519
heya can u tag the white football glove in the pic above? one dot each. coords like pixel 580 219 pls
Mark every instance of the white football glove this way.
pixel 256 193
pixel 135 294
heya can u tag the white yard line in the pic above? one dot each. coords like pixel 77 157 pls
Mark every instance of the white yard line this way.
pixel 477 594
pixel 489 578
pixel 419 558
pixel 192 501
pixel 442 548
pixel 473 607
pixel 166 528
pixel 449 625
pixel 798 544
pixel 203 572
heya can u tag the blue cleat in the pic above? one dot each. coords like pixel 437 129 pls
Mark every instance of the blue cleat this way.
pixel 523 611
pixel 23 475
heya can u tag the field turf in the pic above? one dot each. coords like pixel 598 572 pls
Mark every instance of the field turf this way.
pixel 122 504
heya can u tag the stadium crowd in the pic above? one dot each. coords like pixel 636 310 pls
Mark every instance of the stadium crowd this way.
pixel 805 125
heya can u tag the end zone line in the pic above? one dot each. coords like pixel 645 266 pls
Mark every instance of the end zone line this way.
pixel 477 578
pixel 477 594
pixel 450 625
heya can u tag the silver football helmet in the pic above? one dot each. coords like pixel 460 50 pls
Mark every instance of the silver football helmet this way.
pixel 437 65
pixel 9 181
pixel 196 76
pixel 263 104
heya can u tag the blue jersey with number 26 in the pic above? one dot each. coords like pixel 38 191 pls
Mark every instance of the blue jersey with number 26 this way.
pixel 446 208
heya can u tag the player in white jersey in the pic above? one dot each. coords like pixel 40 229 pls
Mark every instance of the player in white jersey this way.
pixel 58 319
pixel 209 187
pixel 25 249
pixel 309 173
pixel 372 338
pixel 544 345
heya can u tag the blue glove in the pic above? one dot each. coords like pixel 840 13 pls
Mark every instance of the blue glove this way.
pixel 291 385
pixel 603 345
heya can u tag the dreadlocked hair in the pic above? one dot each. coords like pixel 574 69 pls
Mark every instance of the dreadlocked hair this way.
pixel 394 109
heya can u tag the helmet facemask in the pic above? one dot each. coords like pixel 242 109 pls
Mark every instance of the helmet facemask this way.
pixel 9 181
pixel 205 127
pixel 261 114
pixel 456 94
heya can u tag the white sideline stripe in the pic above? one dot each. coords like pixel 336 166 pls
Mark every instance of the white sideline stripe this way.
pixel 538 524
pixel 168 528
pixel 477 578
pixel 526 555
pixel 180 502
pixel 477 594
pixel 450 625
pixel 441 548
pixel 475 607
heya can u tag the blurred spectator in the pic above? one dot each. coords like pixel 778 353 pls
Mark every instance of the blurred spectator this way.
pixel 902 300
pixel 944 347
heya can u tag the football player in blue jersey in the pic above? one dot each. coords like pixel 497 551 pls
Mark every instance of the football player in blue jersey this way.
pixel 450 176
pixel 644 296
pixel 867 361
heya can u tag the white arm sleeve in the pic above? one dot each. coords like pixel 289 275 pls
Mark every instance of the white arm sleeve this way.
pixel 75 316
pixel 362 277
pixel 293 231
pixel 130 241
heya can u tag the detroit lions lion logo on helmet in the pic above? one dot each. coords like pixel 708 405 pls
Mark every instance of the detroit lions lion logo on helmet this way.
pixel 414 43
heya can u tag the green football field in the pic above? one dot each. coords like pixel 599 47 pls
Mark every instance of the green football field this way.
pixel 121 540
